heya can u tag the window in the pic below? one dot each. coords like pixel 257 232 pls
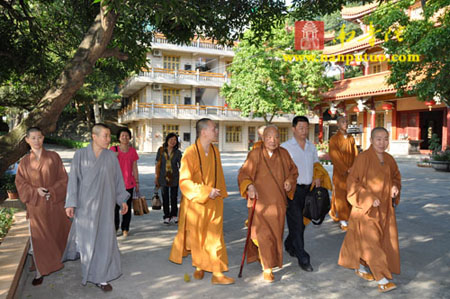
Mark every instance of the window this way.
pixel 376 69
pixel 283 134
pixel 233 134
pixel 187 101
pixel 379 120
pixel 187 137
pixel 170 129
pixel 171 62
pixel 171 96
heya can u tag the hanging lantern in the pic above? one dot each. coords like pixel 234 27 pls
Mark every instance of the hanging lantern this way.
pixel 356 109
pixel 430 104
pixel 386 107
pixel 353 63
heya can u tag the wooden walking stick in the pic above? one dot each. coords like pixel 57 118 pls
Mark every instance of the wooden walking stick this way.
pixel 248 237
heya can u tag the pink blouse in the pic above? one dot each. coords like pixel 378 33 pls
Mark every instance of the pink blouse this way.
pixel 126 161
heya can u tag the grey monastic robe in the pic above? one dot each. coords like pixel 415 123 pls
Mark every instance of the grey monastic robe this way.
pixel 95 187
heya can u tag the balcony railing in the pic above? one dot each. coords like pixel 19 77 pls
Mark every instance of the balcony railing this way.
pixel 154 73
pixel 148 110
pixel 196 43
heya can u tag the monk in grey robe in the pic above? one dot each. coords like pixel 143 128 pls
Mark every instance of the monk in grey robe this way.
pixel 270 176
pixel 95 187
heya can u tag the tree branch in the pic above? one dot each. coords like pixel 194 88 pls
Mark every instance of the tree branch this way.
pixel 114 52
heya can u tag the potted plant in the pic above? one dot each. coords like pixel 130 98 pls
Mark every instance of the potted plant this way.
pixel 440 160
pixel 9 186
pixel 424 162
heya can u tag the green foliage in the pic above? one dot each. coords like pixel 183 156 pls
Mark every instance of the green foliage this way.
pixel 8 182
pixel 6 220
pixel 443 156
pixel 434 143
pixel 429 77
pixel 334 22
pixel 66 142
pixel 263 84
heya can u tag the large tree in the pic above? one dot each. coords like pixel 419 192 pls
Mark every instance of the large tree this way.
pixel 265 84
pixel 49 48
pixel 428 37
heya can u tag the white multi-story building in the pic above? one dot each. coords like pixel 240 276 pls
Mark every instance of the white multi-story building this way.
pixel 181 85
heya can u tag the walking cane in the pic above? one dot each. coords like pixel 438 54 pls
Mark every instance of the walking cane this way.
pixel 248 237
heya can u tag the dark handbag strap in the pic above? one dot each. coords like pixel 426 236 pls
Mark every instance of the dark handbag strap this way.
pixel 201 168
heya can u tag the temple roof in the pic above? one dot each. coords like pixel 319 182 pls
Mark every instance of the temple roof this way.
pixel 356 44
pixel 351 13
pixel 369 85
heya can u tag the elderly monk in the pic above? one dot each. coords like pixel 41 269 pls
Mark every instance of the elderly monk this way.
pixel 343 152
pixel 41 181
pixel 373 187
pixel 95 187
pixel 200 226
pixel 268 176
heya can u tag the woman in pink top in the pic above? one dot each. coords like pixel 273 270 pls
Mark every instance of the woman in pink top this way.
pixel 128 157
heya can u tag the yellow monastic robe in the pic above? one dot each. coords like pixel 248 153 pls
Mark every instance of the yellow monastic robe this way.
pixel 270 209
pixel 372 236
pixel 200 227
pixel 343 152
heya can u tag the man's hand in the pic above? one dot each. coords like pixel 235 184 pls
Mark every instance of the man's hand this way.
pixel 394 191
pixel 70 212
pixel 287 186
pixel 124 208
pixel 214 193
pixel 376 203
pixel 41 191
pixel 317 183
pixel 251 192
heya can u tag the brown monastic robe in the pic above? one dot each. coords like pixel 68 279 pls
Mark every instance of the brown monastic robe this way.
pixel 49 224
pixel 200 226
pixel 343 152
pixel 372 236
pixel 270 210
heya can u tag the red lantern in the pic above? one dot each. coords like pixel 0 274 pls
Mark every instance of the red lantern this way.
pixel 355 109
pixel 386 106
pixel 353 63
pixel 430 104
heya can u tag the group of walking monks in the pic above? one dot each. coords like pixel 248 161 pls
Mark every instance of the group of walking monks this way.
pixel 275 179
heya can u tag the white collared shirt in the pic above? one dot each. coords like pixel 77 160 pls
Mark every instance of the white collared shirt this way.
pixel 303 159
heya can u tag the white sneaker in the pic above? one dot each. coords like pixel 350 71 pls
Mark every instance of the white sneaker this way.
pixel 174 219
pixel 166 220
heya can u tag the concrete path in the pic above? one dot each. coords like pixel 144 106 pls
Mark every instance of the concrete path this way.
pixel 424 233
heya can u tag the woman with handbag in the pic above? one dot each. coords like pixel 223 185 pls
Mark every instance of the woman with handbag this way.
pixel 167 175
pixel 128 157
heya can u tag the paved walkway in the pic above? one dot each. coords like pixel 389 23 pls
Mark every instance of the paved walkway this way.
pixel 424 233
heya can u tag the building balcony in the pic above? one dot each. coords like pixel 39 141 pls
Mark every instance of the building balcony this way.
pixel 174 111
pixel 168 76
pixel 196 46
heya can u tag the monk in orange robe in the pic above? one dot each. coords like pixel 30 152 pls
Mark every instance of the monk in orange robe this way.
pixel 371 243
pixel 270 176
pixel 200 226
pixel 343 152
pixel 41 181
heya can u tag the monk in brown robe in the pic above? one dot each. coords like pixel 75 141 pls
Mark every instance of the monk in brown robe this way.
pixel 343 152
pixel 41 181
pixel 259 143
pixel 371 243
pixel 200 226
pixel 268 175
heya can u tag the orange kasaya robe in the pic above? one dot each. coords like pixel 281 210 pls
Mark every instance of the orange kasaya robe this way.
pixel 49 224
pixel 343 152
pixel 258 144
pixel 372 236
pixel 270 209
pixel 200 227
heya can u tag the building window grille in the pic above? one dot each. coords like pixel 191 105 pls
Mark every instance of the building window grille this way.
pixel 171 96
pixel 171 62
pixel 170 129
pixel 283 134
pixel 233 134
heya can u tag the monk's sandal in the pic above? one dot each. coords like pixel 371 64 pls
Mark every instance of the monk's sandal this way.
pixel 383 288
pixel 366 276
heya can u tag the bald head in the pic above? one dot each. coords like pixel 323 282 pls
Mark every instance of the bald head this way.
pixel 97 128
pixel 377 130
pixel 261 131
pixel 271 138
pixel 201 125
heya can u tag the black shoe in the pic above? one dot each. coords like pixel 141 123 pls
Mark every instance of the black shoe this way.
pixel 291 251
pixel 306 267
pixel 37 281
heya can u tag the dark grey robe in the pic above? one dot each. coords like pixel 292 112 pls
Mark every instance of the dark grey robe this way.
pixel 95 187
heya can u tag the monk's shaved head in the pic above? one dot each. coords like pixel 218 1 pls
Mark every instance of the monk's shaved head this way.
pixel 270 128
pixel 97 128
pixel 261 131
pixel 376 130
pixel 201 125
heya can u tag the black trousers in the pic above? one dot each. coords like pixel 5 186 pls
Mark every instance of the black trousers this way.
pixel 126 219
pixel 173 210
pixel 294 214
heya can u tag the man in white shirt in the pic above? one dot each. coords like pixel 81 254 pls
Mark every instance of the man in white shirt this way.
pixel 304 155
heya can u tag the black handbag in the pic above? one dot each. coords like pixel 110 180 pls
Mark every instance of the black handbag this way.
pixel 317 205
pixel 156 201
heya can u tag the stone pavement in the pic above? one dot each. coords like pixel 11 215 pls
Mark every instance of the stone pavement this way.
pixel 424 233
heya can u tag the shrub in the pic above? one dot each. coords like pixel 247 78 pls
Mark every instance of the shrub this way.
pixel 6 219
pixel 441 156
pixel 66 142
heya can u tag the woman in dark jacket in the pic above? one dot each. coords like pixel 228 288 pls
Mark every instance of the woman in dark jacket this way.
pixel 167 174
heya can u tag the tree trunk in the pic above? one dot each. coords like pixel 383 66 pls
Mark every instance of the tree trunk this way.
pixel 97 114
pixel 49 108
